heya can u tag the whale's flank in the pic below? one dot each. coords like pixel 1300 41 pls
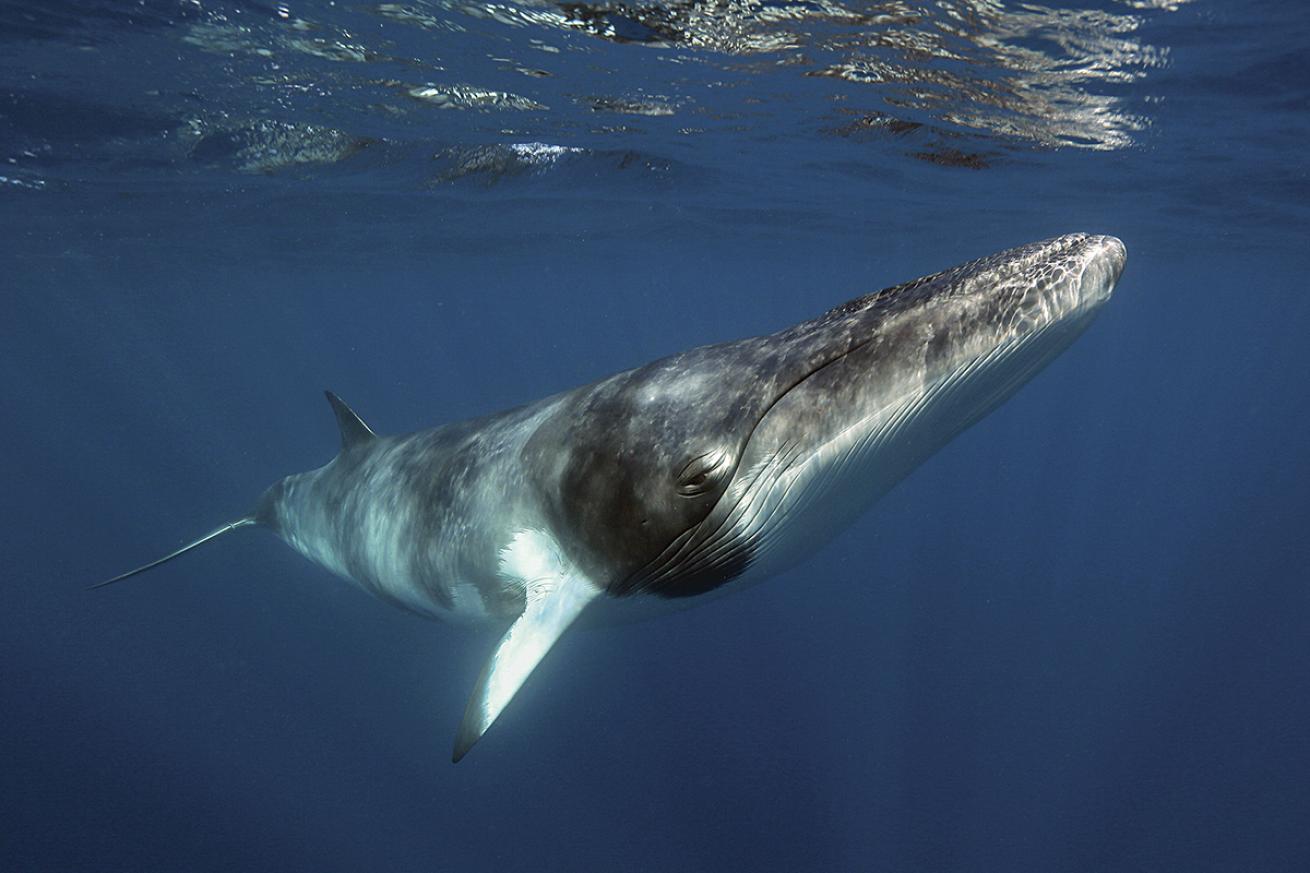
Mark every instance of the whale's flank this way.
pixel 699 473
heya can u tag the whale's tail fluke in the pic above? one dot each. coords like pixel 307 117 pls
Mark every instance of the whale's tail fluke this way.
pixel 354 432
pixel 245 521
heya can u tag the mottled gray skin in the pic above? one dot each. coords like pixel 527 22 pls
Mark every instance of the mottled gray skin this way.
pixel 697 473
pixel 711 465
pixel 419 520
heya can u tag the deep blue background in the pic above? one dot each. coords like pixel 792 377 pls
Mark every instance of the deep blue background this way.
pixel 1078 639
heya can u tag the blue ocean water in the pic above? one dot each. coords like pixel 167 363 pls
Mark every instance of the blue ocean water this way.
pixel 1078 639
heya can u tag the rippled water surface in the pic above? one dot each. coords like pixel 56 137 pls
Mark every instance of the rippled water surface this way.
pixel 1076 640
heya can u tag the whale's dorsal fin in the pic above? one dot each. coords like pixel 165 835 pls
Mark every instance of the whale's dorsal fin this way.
pixel 555 593
pixel 353 430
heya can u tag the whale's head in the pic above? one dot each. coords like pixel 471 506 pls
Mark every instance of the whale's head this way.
pixel 682 475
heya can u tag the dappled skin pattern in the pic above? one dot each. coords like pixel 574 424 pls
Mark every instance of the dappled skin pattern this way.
pixel 418 520
pixel 859 362
pixel 641 478
pixel 718 465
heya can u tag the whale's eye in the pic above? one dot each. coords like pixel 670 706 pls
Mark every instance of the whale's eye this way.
pixel 702 473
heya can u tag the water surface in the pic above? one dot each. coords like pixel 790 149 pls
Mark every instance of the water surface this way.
pixel 1075 640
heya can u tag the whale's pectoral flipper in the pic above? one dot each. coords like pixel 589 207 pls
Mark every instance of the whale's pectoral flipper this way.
pixel 555 593
pixel 353 429
pixel 704 471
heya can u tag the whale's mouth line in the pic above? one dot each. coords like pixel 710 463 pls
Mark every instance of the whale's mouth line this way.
pixel 686 547
pixel 693 553
pixel 653 572
pixel 695 548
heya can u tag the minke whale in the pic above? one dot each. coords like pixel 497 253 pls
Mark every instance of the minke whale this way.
pixel 698 473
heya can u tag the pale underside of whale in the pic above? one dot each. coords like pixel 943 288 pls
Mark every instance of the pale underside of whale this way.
pixel 697 474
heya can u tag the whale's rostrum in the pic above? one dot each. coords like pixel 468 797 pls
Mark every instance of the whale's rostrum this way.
pixel 697 473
